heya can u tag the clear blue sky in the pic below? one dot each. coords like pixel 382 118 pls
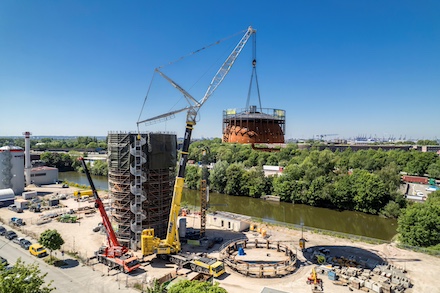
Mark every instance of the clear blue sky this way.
pixel 337 67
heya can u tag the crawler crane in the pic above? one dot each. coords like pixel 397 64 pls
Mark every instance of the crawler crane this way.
pixel 114 255
pixel 170 247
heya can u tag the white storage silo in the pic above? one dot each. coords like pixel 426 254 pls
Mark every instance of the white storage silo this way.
pixel 12 168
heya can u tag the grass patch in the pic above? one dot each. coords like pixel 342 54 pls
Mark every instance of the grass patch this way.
pixel 54 261
pixel 138 286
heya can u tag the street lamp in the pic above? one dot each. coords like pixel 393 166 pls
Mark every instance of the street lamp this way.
pixel 302 241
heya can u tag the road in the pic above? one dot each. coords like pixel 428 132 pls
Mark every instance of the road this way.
pixel 74 278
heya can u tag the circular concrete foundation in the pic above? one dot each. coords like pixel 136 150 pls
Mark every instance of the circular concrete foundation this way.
pixel 261 259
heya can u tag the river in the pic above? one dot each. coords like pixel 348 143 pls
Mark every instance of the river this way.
pixel 346 221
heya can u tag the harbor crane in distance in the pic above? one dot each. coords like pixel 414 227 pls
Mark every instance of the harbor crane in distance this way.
pixel 322 136
pixel 169 247
pixel 114 255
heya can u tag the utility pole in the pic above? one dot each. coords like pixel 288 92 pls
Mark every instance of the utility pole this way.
pixel 204 193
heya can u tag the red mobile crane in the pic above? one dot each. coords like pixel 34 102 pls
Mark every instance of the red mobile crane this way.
pixel 114 255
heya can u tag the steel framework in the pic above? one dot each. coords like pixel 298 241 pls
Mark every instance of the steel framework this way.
pixel 140 188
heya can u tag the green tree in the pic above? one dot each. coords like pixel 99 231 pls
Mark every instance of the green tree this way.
pixel 234 183
pixel 434 169
pixel 289 186
pixel 343 193
pixel 23 278
pixel 419 223
pixel 99 168
pixel 61 161
pixel 186 286
pixel 254 183
pixel 156 288
pixel 370 195
pixel 427 142
pixel 192 177
pixel 51 239
pixel 218 177
pixel 391 210
pixel 420 162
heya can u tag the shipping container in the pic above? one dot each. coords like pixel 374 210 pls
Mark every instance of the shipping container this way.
pixel 415 179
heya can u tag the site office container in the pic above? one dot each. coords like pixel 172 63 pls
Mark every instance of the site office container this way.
pixel 415 179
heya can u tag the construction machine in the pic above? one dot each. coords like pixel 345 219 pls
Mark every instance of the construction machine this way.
pixel 81 193
pixel 315 281
pixel 114 255
pixel 170 247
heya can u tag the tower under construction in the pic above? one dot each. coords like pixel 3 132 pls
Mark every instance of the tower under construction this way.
pixel 141 177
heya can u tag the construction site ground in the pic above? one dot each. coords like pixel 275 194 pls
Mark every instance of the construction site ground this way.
pixel 79 237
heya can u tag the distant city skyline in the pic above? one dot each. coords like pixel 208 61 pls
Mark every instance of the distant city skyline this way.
pixel 81 68
pixel 327 139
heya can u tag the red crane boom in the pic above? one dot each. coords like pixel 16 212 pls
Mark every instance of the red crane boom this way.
pixel 114 255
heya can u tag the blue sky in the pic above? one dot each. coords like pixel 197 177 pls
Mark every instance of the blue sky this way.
pixel 337 67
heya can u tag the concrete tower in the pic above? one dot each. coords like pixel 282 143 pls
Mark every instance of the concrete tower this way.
pixel 27 157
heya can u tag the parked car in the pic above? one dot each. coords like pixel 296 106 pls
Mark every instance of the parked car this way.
pixel 4 261
pixel 25 244
pixel 11 235
pixel 38 250
pixel 2 230
pixel 17 221
pixel 17 240
pixel 14 208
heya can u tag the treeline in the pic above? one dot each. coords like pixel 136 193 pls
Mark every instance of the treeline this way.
pixel 78 143
pixel 69 162
pixel 365 181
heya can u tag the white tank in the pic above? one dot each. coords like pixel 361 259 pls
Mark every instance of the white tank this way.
pixel 12 168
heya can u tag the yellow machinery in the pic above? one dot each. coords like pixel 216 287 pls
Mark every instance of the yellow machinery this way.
pixel 315 281
pixel 169 247
pixel 302 244
pixel 81 193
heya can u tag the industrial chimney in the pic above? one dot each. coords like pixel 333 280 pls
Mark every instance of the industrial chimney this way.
pixel 27 157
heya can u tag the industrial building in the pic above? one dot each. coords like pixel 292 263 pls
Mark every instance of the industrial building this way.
pixel 254 125
pixel 12 168
pixel 141 180
pixel 229 221
pixel 44 175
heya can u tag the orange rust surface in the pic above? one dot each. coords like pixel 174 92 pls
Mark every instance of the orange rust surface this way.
pixel 253 133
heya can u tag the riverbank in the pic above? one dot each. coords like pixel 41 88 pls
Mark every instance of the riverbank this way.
pixel 349 222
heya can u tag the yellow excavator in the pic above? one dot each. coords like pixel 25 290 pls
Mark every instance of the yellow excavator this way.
pixel 170 247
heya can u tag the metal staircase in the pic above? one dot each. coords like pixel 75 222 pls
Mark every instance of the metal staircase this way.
pixel 136 188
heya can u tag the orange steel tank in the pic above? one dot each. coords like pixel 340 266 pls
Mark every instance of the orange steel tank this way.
pixel 254 126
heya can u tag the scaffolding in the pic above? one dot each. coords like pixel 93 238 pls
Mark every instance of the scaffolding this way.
pixel 141 182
